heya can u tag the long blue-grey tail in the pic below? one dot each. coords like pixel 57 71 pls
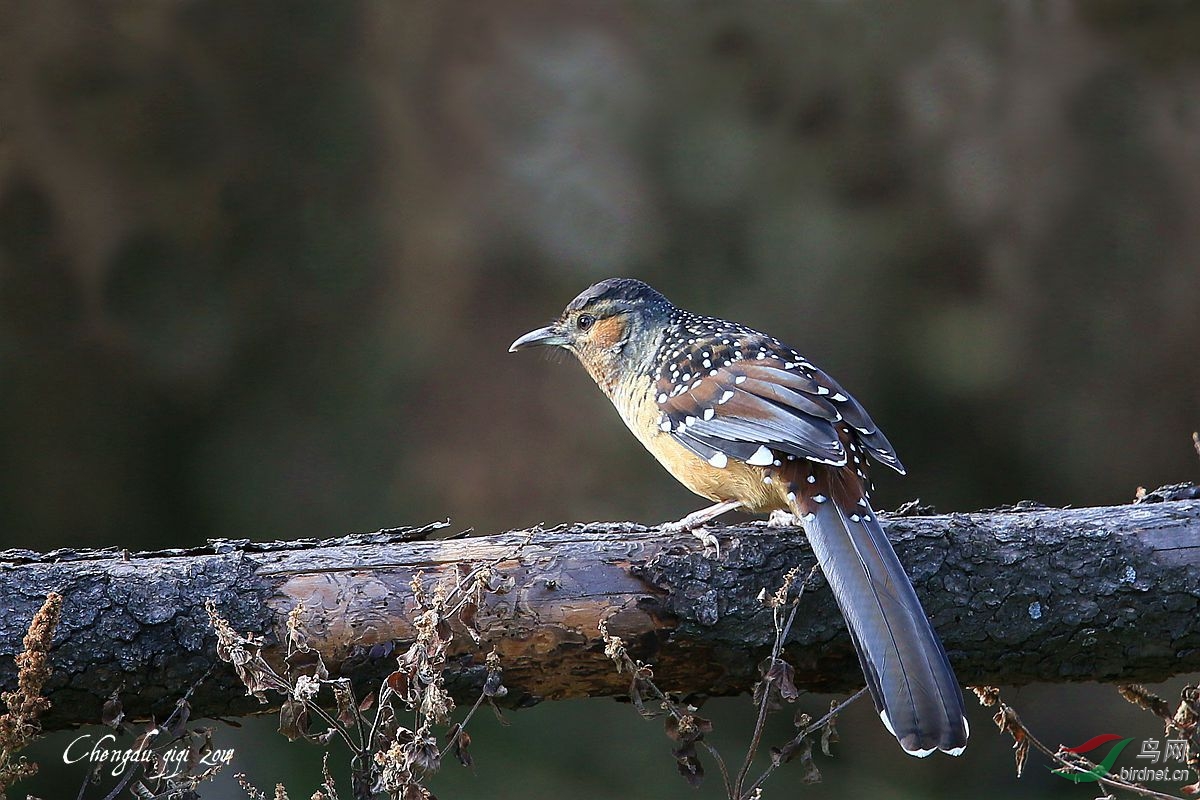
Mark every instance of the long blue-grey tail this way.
pixel 909 676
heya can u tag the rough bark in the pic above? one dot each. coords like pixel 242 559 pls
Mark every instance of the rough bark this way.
pixel 1021 595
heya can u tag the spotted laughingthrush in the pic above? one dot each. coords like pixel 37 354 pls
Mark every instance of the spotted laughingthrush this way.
pixel 744 420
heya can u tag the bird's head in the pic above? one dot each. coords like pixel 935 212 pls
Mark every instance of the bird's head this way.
pixel 612 328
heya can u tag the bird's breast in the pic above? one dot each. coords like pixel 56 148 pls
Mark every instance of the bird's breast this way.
pixel 735 481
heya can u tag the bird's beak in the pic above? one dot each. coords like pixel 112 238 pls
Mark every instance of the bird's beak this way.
pixel 551 335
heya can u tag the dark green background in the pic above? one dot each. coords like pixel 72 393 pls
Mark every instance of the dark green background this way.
pixel 259 265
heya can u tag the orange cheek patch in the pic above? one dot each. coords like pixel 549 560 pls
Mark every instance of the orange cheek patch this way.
pixel 607 332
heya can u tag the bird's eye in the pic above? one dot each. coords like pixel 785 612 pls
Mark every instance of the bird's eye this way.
pixel 585 321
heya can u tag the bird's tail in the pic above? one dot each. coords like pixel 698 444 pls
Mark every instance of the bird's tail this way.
pixel 911 682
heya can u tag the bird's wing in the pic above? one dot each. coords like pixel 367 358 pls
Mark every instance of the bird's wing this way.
pixel 748 409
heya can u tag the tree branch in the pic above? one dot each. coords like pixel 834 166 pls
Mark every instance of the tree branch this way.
pixel 1029 594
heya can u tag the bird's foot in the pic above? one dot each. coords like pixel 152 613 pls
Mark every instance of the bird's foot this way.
pixel 698 519
pixel 781 519
pixel 694 523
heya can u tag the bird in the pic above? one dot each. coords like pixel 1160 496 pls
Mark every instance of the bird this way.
pixel 749 423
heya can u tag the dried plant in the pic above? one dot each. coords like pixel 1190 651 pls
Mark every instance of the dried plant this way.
pixel 775 688
pixel 166 761
pixel 1184 722
pixel 20 724
pixel 389 757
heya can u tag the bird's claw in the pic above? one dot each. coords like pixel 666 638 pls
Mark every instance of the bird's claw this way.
pixel 707 539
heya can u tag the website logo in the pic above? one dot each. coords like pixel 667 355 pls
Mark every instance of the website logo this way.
pixel 1152 750
pixel 1102 768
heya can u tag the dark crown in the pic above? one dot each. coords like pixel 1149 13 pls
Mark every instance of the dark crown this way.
pixel 628 291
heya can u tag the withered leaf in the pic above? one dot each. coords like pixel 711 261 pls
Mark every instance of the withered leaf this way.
pixel 293 719
pixel 179 726
pixel 414 791
pixel 461 740
pixel 347 710
pixel 366 704
pixel 777 684
pixel 635 697
pixel 811 773
pixel 671 724
pixel 403 735
pixel 386 727
pixel 397 681
pixel 467 616
pixel 206 741
pixel 799 747
pixel 781 674
pixel 688 764
pixel 1020 753
pixel 113 712
pixel 492 687
pixel 148 735
pixel 1007 721
pixel 1141 696
pixel 687 728
pixel 425 754
pixel 783 754
pixel 306 662
pixel 256 679
pixel 829 734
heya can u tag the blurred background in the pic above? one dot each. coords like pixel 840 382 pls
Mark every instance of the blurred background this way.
pixel 259 267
